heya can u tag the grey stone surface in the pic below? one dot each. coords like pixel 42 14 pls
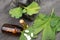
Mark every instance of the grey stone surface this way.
pixel 5 5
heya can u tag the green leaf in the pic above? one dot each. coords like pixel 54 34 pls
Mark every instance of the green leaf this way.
pixel 48 24
pixel 48 33
pixel 16 12
pixel 36 28
pixel 22 37
pixel 54 19
pixel 24 11
pixel 58 27
pixel 33 8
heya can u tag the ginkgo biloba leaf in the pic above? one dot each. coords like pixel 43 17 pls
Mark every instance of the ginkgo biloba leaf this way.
pixel 16 12
pixel 33 8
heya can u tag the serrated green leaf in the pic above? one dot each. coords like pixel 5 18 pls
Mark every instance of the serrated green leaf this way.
pixel 33 8
pixel 16 12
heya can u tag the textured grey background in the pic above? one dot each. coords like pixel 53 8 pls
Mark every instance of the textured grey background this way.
pixel 5 5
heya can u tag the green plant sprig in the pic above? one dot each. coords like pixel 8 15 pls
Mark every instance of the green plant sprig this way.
pixel 49 25
pixel 17 12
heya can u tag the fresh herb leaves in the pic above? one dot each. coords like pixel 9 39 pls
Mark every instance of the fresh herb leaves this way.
pixel 50 25
pixel 33 8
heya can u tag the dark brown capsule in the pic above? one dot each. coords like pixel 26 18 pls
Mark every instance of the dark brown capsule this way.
pixel 11 29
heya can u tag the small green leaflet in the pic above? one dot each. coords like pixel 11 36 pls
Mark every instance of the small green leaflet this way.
pixel 16 12
pixel 33 8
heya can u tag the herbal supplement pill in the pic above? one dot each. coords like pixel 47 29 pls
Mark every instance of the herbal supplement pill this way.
pixel 11 29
